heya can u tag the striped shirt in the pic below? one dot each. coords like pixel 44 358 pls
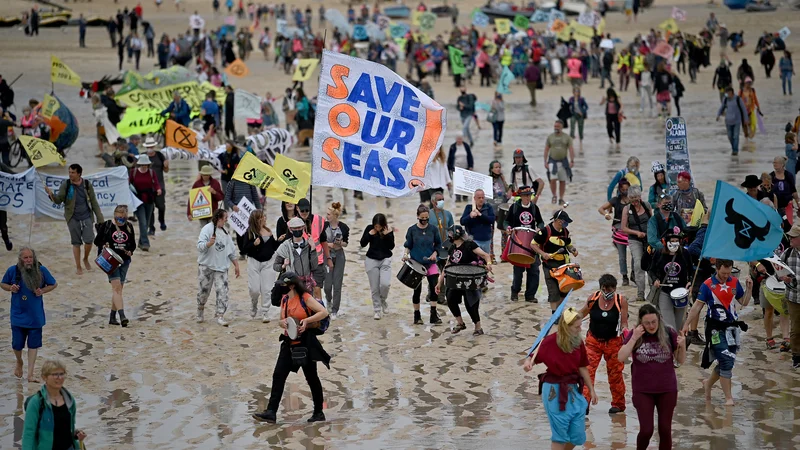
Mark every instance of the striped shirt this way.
pixel 792 259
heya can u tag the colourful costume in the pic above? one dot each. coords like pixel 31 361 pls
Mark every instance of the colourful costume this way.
pixel 604 341
pixel 751 103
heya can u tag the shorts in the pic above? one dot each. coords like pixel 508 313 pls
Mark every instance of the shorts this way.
pixel 725 356
pixel 80 231
pixel 562 173
pixel 567 425
pixel 19 335
pixel 120 273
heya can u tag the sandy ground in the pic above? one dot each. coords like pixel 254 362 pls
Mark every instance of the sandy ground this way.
pixel 167 382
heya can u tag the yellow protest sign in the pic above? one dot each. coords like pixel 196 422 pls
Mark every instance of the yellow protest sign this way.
pixel 295 174
pixel 180 137
pixel 60 73
pixel 503 26
pixel 49 106
pixel 415 18
pixel 581 33
pixel 669 25
pixel 601 26
pixel 254 172
pixel 558 26
pixel 422 37
pixel 491 47
pixel 237 69
pixel 305 69
pixel 140 121
pixel 192 92
pixel 41 152
pixel 200 202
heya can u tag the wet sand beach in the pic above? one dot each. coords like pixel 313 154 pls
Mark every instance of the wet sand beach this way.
pixel 167 382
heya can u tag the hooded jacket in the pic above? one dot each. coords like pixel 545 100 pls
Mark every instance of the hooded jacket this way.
pixel 304 264
pixel 37 433
pixel 219 256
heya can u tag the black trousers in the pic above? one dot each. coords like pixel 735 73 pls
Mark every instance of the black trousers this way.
pixel 613 126
pixel 677 101
pixel 230 129
pixel 4 225
pixel 455 296
pixel 432 281
pixel 161 206
pixel 282 369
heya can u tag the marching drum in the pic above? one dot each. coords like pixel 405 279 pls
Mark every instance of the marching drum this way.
pixel 108 260
pixel 680 297
pixel 519 246
pixel 774 291
pixel 569 277
pixel 465 276
pixel 412 273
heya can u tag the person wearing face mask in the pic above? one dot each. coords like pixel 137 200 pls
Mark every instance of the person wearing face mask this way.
pixel 629 173
pixel 421 245
pixel 259 246
pixel 612 210
pixel 686 196
pixel 663 219
pixel 464 251
pixel 633 223
pixel 608 320
pixel 314 230
pixel 288 211
pixel 118 235
pixel 502 192
pixel 524 213
pixel 444 222
pixel 299 255
pixel 671 269
pixel 552 243
pixel 557 149
pixel 656 350
pixel 338 235
pixel 215 254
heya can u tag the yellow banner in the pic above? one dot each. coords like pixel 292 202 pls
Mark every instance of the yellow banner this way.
pixel 40 151
pixel 305 69
pixel 191 91
pixel 697 214
pixel 601 27
pixel 254 172
pixel 60 73
pixel 669 25
pixel 50 105
pixel 581 33
pixel 140 121
pixel 200 202
pixel 295 174
pixel 503 26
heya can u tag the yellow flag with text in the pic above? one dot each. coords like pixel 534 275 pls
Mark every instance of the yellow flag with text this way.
pixel 697 214
pixel 50 105
pixel 254 172
pixel 41 152
pixel 305 69
pixel 295 175
pixel 61 73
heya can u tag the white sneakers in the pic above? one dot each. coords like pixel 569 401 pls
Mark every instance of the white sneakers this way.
pixel 377 316
pixel 264 318
pixel 334 316
pixel 199 316
pixel 385 309
pixel 221 321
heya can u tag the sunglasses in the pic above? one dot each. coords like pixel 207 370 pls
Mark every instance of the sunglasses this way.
pixel 304 210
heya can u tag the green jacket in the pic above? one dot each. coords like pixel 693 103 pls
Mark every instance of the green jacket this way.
pixel 37 433
pixel 66 195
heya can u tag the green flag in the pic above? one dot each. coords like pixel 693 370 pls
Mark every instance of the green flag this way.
pixel 521 22
pixel 456 63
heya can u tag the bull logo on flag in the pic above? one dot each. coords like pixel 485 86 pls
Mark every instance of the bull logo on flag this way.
pixel 746 230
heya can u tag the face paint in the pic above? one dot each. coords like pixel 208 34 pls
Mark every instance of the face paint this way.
pixel 673 246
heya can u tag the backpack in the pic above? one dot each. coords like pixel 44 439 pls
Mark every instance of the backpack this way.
pixel 323 324
pixel 738 105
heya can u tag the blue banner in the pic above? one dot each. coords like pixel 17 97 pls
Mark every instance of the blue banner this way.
pixel 677 151
pixel 741 228
pixel 553 319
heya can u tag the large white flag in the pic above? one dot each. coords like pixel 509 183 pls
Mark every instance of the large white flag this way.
pixel 374 132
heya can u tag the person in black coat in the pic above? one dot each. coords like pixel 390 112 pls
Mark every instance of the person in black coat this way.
pixel 112 31
pixel 453 158
pixel 6 94
pixel 114 110
pixel 230 126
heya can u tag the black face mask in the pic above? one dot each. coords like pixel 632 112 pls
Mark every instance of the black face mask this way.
pixel 668 207
pixel 423 221
pixel 297 233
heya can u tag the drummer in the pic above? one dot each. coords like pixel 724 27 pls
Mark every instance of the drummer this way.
pixel 761 271
pixel 522 175
pixel 464 251
pixel 443 220
pixel 552 243
pixel 422 243
pixel 117 235
pixel 524 213
pixel 671 269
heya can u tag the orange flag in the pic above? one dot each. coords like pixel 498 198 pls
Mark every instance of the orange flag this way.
pixel 181 137
pixel 237 69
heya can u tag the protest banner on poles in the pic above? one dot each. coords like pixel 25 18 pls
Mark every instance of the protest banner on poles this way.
pixel 179 136
pixel 192 92
pixel 200 202
pixel 140 121
pixel 375 132
pixel 466 182
pixel 677 151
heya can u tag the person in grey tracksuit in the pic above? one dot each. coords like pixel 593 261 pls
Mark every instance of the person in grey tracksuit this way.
pixel 215 253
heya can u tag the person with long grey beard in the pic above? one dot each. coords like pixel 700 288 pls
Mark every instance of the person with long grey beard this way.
pixel 27 281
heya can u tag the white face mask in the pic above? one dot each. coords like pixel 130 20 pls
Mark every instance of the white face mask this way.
pixel 440 204
pixel 673 246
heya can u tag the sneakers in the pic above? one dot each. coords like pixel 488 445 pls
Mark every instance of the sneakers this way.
pixel 640 299
pixel 377 316
pixel 199 315
pixel 334 316
pixel 514 297
pixel 614 410
pixel 785 347
pixel 625 281
pixel 385 309
pixel 254 312
pixel 317 417
pixel 266 416
pixel 771 344
pixel 221 321
pixel 264 318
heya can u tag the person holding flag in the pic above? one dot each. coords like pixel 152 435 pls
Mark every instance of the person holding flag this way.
pixel 564 354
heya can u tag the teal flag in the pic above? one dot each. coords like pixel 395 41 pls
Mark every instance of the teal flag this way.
pixel 456 60
pixel 741 228
pixel 503 86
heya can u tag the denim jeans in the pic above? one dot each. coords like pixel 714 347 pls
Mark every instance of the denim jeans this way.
pixel 786 78
pixel 485 246
pixel 497 126
pixel 733 136
pixel 637 251
pixel 465 121
pixel 143 215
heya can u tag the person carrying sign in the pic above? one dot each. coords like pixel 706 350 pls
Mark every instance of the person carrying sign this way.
pixel 206 180
pixel 178 109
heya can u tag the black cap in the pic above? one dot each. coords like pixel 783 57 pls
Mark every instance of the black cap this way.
pixel 751 181
pixel 562 215
pixel 524 190
pixel 304 203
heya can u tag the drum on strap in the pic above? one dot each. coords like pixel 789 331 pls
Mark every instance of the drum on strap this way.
pixel 519 248
pixel 774 291
pixel 680 297
pixel 465 276
pixel 412 273
pixel 108 261
pixel 569 277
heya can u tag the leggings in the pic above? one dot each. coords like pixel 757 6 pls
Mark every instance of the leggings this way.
pixel 282 368
pixel 613 126
pixel 677 101
pixel 646 404
pixel 454 297
pixel 432 281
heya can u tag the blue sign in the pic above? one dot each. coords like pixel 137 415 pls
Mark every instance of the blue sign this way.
pixel 553 319
pixel 360 33
pixel 677 151
pixel 540 16
pixel 399 31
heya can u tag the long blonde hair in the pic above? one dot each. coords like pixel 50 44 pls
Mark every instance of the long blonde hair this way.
pixel 254 223
pixel 565 340
pixel 440 156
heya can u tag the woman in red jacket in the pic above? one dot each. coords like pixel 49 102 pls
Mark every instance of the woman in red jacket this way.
pixel 206 180
pixel 146 186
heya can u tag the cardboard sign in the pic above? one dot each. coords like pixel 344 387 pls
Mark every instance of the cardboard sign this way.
pixel 466 182
pixel 784 33
pixel 180 137
pixel 200 202
pixel 239 220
